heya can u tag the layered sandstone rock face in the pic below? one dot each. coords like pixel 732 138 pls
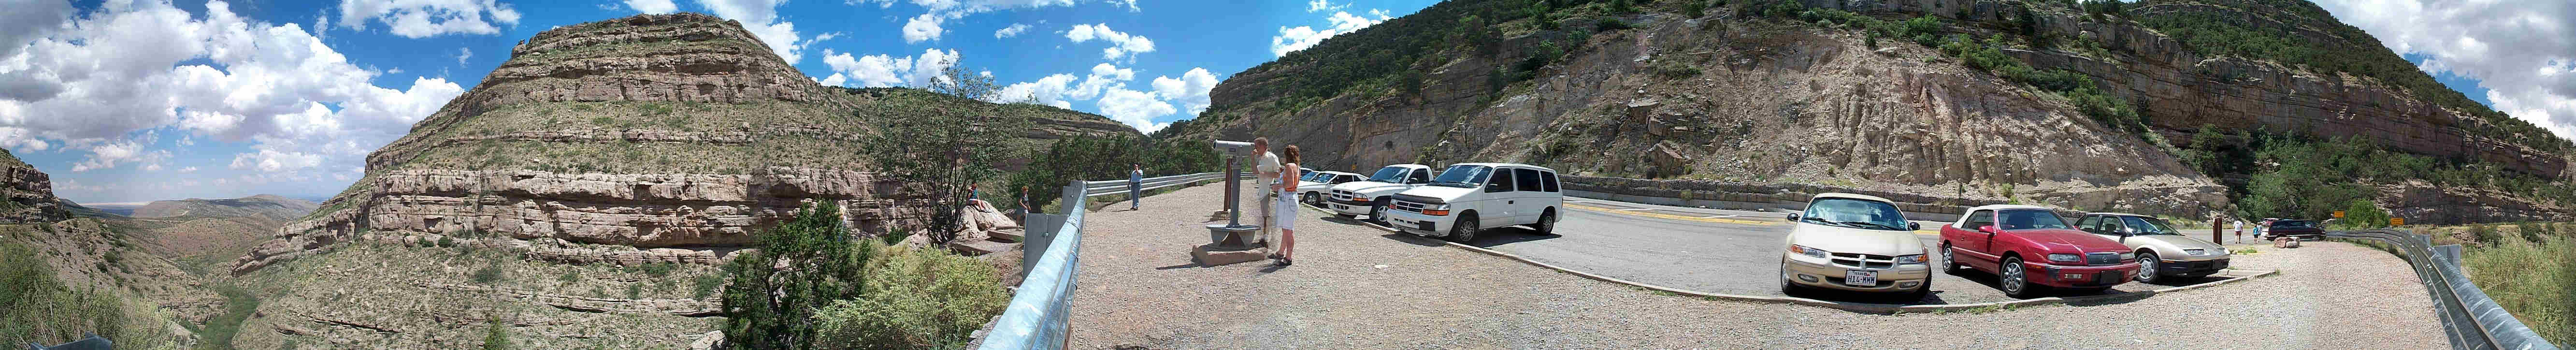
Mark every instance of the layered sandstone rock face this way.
pixel 654 138
pixel 27 195
pixel 1791 103
pixel 1770 104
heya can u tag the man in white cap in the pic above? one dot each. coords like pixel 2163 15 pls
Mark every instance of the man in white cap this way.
pixel 1265 169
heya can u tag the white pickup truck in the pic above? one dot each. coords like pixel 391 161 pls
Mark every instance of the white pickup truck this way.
pixel 1369 197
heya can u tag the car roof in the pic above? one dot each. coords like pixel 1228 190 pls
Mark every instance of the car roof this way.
pixel 1340 173
pixel 1849 195
pixel 1515 165
pixel 1406 165
pixel 2117 214
pixel 2009 206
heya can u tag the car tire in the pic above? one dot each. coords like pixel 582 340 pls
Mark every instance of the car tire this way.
pixel 1949 261
pixel 2147 269
pixel 1464 230
pixel 2015 282
pixel 1546 222
pixel 1377 210
pixel 1308 198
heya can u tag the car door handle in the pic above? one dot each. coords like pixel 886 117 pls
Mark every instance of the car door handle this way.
pixel 1508 202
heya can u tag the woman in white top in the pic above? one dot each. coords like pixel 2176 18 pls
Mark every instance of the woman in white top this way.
pixel 1286 186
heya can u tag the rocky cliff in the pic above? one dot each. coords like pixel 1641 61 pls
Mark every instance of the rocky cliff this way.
pixel 1731 99
pixel 580 195
pixel 1735 97
pixel 673 132
pixel 27 195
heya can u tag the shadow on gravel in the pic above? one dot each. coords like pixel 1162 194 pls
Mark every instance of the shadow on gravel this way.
pixel 1508 235
pixel 1837 295
pixel 1990 281
pixel 1181 266
pixel 1408 238
pixel 2178 281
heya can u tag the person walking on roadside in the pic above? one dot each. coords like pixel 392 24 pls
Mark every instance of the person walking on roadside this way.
pixel 1135 186
pixel 1287 202
pixel 2240 229
pixel 1265 170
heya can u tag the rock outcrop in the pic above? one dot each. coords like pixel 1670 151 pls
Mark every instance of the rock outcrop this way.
pixel 26 194
pixel 1732 97
pixel 1740 101
pixel 653 138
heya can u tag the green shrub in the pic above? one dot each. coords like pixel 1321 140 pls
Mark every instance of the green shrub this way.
pixel 37 307
pixel 570 276
pixel 497 335
pixel 1606 24
pixel 2486 234
pixel 1695 9
pixel 707 284
pixel 769 308
pixel 634 290
pixel 488 274
pixel 2530 279
pixel 915 299
pixel 446 242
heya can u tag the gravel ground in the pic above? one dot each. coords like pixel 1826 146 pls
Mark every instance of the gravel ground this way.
pixel 1358 287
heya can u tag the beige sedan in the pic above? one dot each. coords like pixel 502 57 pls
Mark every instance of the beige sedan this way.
pixel 1857 243
pixel 2163 252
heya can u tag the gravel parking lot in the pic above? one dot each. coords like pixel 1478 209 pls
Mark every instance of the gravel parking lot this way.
pixel 1738 253
pixel 1358 287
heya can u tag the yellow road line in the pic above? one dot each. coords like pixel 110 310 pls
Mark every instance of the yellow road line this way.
pixel 1669 216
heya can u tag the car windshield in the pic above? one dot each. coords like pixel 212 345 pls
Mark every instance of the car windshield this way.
pixel 2145 226
pixel 1855 213
pixel 1389 175
pixel 2029 219
pixel 1469 176
pixel 2290 223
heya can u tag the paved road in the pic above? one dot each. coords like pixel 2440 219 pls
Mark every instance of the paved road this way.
pixel 1711 250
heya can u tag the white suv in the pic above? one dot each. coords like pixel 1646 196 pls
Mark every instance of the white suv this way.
pixel 1369 197
pixel 1310 189
pixel 1469 197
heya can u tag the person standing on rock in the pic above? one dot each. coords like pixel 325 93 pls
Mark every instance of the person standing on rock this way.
pixel 1265 170
pixel 1135 186
pixel 1287 202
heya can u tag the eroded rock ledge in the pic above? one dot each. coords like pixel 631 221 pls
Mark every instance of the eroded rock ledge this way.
pixel 705 213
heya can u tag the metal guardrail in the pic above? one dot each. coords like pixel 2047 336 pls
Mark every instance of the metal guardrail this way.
pixel 1036 318
pixel 1097 188
pixel 2470 318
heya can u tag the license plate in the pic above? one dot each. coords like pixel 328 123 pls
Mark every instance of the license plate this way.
pixel 1860 278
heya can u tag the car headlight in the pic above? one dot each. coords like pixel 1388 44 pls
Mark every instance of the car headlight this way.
pixel 2196 252
pixel 1909 259
pixel 2064 258
pixel 2128 256
pixel 1793 248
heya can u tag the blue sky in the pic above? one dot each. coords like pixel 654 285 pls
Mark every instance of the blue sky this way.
pixel 125 101
pixel 142 100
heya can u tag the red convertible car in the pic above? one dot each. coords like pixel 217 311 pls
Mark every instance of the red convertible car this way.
pixel 2029 248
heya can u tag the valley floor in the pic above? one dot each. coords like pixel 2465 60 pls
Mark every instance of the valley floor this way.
pixel 1359 287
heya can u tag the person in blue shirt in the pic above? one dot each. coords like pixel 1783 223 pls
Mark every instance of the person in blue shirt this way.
pixel 1135 185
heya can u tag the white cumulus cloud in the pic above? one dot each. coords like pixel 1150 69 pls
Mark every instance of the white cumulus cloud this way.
pixel 1014 30
pixel 653 6
pixel 428 18
pixel 1291 39
pixel 922 28
pixel 2522 52
pixel 1190 90
pixel 1121 44
pixel 761 18
pixel 885 70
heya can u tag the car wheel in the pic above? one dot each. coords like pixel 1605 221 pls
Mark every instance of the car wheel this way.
pixel 1465 229
pixel 1377 210
pixel 2014 281
pixel 2147 269
pixel 1546 222
pixel 1949 261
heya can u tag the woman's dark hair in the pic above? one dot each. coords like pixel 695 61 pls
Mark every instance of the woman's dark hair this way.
pixel 1289 155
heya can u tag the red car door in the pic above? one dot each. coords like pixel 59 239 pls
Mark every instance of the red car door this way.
pixel 1972 246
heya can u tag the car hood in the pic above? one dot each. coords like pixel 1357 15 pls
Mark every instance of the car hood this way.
pixel 1443 193
pixel 1368 187
pixel 1853 240
pixel 2061 240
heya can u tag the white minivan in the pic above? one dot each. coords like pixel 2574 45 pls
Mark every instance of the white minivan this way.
pixel 1470 197
pixel 1368 197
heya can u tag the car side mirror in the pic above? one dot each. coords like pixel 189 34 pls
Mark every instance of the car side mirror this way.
pixel 1988 229
pixel 1917 226
pixel 1793 217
